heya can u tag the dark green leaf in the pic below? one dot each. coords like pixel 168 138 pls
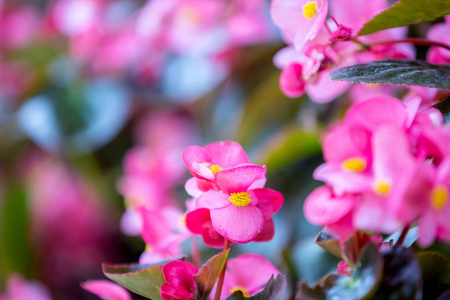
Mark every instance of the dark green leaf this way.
pixel 444 108
pixel 435 273
pixel 402 72
pixel 329 242
pixel 402 275
pixel 146 282
pixel 407 12
pixel 272 291
pixel 361 285
pixel 208 274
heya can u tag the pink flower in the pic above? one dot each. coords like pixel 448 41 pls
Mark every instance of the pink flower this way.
pixel 247 273
pixel 291 81
pixel 19 289
pixel 106 290
pixel 439 33
pixel 300 20
pixel 179 279
pixel 235 211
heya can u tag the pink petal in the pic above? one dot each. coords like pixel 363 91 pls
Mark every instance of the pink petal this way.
pixel 238 179
pixel 238 224
pixel 179 275
pixel 376 111
pixel 427 229
pixel 227 154
pixel 267 233
pixel 291 81
pixel 195 154
pixel 169 293
pixel 324 90
pixel 106 290
pixel 213 199
pixel 310 27
pixel 269 201
pixel 199 222
pixel 251 271
pixel 323 208
pixel 155 229
pixel 287 14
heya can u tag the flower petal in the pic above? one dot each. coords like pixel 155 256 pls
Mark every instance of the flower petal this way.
pixel 213 199
pixel 269 201
pixel 238 179
pixel 227 154
pixel 195 154
pixel 179 275
pixel 238 224
pixel 106 290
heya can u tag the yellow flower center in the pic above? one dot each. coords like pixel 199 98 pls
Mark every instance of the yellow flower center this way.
pixel 439 197
pixel 148 247
pixel 215 169
pixel 239 288
pixel 354 164
pixel 189 15
pixel 310 9
pixel 240 199
pixel 182 221
pixel 382 187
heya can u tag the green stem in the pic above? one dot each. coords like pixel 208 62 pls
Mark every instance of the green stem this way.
pixel 226 246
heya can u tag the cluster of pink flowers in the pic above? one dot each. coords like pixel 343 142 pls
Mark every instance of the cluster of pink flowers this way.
pixel 317 45
pixel 387 167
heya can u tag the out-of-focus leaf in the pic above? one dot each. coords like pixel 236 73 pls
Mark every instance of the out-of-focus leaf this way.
pixel 329 242
pixel 402 275
pixel 287 146
pixel 266 107
pixel 208 274
pixel 146 282
pixel 406 12
pixel 272 291
pixel 444 108
pixel 15 248
pixel 402 72
pixel 361 285
pixel 435 273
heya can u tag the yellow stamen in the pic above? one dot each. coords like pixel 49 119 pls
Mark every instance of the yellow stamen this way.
pixel 354 164
pixel 439 197
pixel 310 9
pixel 382 187
pixel 240 199
pixel 215 169
pixel 182 221
pixel 239 288
pixel 148 247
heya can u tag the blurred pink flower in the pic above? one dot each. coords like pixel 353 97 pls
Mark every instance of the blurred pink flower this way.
pixel 106 290
pixel 18 288
pixel 439 33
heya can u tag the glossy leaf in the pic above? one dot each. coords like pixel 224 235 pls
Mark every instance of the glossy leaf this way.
pixel 272 291
pixel 208 275
pixel 401 72
pixel 406 12
pixel 329 242
pixel 146 282
pixel 361 285
pixel 435 273
pixel 402 275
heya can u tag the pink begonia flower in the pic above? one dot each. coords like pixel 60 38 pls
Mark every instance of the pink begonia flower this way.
pixel 163 231
pixel 433 223
pixel 439 33
pixel 179 279
pixel 106 290
pixel 291 81
pixel 248 273
pixel 235 213
pixel 300 20
pixel 18 288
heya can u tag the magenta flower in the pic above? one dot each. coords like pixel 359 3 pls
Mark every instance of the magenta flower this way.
pixel 180 284
pixel 106 290
pixel 291 81
pixel 236 211
pixel 300 20
pixel 247 273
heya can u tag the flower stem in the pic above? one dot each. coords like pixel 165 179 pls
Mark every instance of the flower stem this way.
pixel 403 235
pixel 226 246
pixel 196 258
pixel 415 41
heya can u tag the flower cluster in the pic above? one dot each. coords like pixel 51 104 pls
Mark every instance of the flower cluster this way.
pixel 386 167
pixel 317 45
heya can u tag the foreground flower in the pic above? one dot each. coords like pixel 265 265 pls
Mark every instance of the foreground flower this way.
pixel 179 279
pixel 20 289
pixel 106 290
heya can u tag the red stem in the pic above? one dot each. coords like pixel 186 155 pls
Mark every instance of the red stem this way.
pixel 416 41
pixel 226 246
pixel 402 235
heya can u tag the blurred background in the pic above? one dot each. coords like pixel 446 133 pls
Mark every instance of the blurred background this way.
pixel 98 99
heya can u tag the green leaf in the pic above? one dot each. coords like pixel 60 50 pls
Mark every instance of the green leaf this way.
pixel 361 285
pixel 444 108
pixel 146 282
pixel 402 275
pixel 407 12
pixel 329 242
pixel 435 273
pixel 208 274
pixel 402 72
pixel 272 290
